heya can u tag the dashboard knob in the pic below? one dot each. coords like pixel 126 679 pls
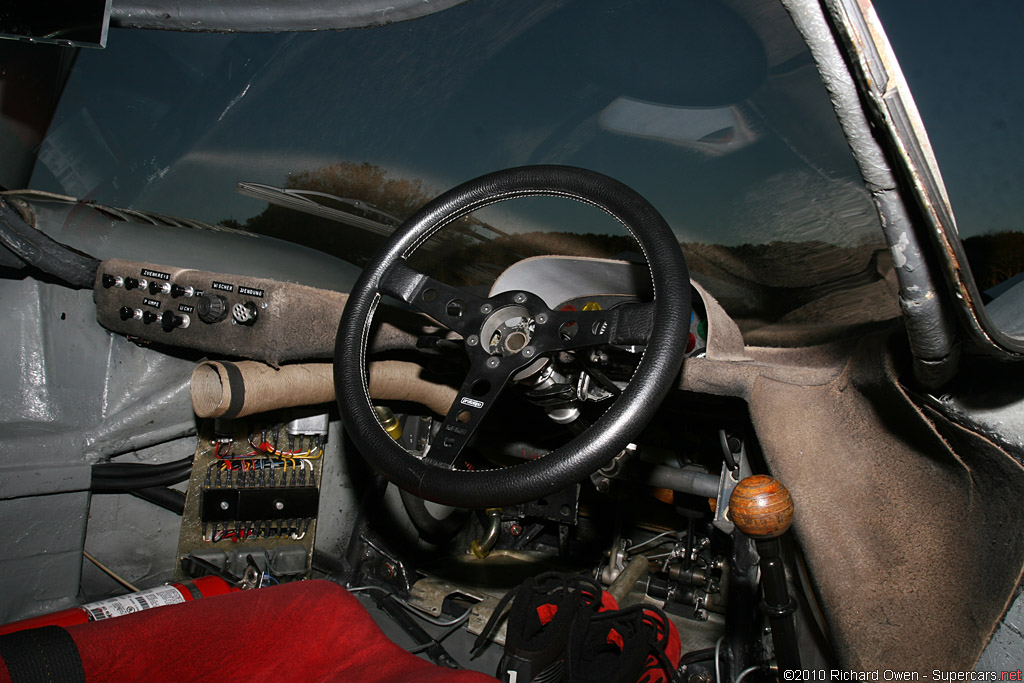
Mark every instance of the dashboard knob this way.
pixel 126 313
pixel 169 320
pixel 109 281
pixel 131 283
pixel 211 308
pixel 149 317
pixel 156 287
pixel 178 291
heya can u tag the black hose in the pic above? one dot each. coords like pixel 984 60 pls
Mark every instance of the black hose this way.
pixel 132 469
pixel 168 499
pixel 431 528
pixel 102 483
pixel 40 251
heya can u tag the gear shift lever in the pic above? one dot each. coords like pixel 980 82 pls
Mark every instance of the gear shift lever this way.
pixel 762 509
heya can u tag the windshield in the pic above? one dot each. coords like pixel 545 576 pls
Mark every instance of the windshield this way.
pixel 714 112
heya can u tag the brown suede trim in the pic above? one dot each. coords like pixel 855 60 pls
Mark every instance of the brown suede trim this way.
pixel 906 520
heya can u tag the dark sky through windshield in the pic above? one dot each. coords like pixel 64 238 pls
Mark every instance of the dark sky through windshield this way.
pixel 443 99
pixel 713 111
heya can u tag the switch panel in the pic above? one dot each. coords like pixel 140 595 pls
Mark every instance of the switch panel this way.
pixel 217 313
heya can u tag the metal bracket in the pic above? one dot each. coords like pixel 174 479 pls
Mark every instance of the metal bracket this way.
pixel 729 478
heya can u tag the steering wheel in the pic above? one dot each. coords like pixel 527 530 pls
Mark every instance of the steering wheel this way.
pixel 497 353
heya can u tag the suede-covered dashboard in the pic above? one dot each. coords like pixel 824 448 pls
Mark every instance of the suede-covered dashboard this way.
pixel 218 313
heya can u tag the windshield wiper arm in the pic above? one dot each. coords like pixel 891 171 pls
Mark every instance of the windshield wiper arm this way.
pixel 382 223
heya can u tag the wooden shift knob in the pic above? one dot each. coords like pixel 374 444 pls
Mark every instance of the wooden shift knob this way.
pixel 761 507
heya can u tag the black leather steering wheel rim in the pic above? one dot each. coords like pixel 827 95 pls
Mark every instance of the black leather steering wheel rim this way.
pixel 655 376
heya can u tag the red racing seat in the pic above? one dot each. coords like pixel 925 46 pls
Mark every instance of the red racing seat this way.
pixel 302 631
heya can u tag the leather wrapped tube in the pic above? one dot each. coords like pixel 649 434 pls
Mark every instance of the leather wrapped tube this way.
pixel 228 390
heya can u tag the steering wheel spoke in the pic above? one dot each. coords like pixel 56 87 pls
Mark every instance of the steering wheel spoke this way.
pixel 454 308
pixel 477 395
pixel 628 324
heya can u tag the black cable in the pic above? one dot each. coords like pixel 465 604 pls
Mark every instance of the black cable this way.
pixel 431 528
pixel 128 476
pixel 130 469
pixel 697 656
pixel 40 251
pixel 435 651
pixel 102 483
pixel 128 472
pixel 168 499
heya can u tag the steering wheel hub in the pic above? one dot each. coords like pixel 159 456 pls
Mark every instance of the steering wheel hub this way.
pixel 508 330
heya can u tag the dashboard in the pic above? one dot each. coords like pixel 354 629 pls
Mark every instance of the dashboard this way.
pixel 275 322
pixel 218 313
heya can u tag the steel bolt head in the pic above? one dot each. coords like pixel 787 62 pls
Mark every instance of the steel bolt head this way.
pixel 493 362
pixel 519 298
pixel 541 318
pixel 528 352
pixel 486 308
pixel 472 340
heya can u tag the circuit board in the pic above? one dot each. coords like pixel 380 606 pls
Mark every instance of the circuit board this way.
pixel 252 499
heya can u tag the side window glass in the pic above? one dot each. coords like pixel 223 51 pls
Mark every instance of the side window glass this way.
pixel 962 63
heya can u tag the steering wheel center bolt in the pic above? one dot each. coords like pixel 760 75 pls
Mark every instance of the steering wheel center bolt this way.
pixel 493 362
pixel 515 341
